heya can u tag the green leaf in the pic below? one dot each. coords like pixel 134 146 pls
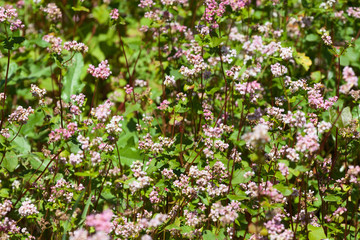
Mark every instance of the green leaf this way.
pixel 344 119
pixel 9 43
pixel 87 174
pixel 121 20
pixel 215 41
pixel 22 145
pixel 303 60
pixel 186 229
pixel 305 3
pixel 86 208
pixel 285 190
pixel 302 168
pixel 316 76
pixel 10 161
pixel 41 43
pixel 346 116
pixel 316 233
pixel 238 197
pixel 176 74
pixel 332 198
pixel 212 236
pixel 107 195
pixel 175 225
pixel 4 192
pixel 72 212
pixel 238 177
pixel 80 9
pixel 131 109
pixel 13 67
pixel 101 14
pixel 312 37
pixel 128 155
pixel 72 83
pixel 37 163
pixel 209 235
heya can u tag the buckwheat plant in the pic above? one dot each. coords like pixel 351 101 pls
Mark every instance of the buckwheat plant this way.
pixel 180 119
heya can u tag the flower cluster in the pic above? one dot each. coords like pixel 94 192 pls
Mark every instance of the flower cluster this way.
pixel 53 13
pixel 75 46
pixel 101 222
pixel 222 119
pixel 20 115
pixel 9 14
pixel 102 71
pixel 350 78
pixel 27 208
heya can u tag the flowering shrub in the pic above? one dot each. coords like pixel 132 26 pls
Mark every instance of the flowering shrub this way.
pixel 180 119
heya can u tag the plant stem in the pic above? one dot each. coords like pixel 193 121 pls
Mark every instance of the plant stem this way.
pixel 5 88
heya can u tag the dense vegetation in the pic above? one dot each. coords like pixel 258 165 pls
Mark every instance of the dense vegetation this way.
pixel 179 119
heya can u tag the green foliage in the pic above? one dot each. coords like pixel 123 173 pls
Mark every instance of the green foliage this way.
pixel 190 120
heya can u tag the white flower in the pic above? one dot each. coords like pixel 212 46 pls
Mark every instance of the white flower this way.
pixel 169 80
pixel 259 135
pixel 27 208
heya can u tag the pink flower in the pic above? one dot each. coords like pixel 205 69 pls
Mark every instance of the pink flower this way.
pixel 278 70
pixel 102 71
pixel 101 222
pixel 17 24
pixel 353 12
pixel 114 14
pixel 283 169
pixel 146 3
pixel 350 78
pixel 248 87
pixel 53 12
pixel 102 112
pixel 316 99
pixel 309 141
pixel 164 105
pixel 20 115
pixel 128 89
pixel 75 46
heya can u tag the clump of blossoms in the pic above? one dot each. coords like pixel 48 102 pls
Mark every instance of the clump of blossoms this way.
pixel 103 111
pixel 63 191
pixel 258 136
pixel 102 71
pixel 114 14
pixel 224 120
pixel 53 13
pixel 326 37
pixel 225 214
pixel 55 42
pixel 276 229
pixel 5 207
pixel 101 222
pixel 37 92
pixel 148 144
pixel 316 99
pixel 278 70
pixel 146 3
pixel 141 179
pixel 350 78
pixel 353 12
pixel 114 126
pixel 27 208
pixel 169 80
pixel 20 115
pixel 251 88
pixel 76 47
pixel 125 228
pixel 8 14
